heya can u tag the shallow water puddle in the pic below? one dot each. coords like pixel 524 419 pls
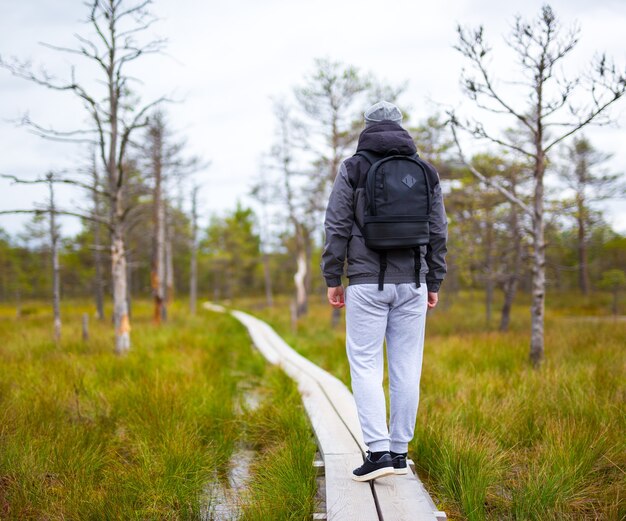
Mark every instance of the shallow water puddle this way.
pixel 225 496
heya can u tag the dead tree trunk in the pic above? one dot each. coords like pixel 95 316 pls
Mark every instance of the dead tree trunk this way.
pixel 121 318
pixel 537 308
pixel 512 279
pixel 329 98
pixel 489 267
pixel 261 192
pixel 54 252
pixel 267 275
pixel 169 261
pixel 283 153
pixel 193 266
pixel 167 283
pixel 583 258
pixel 301 275
pixel 85 328
pixel 97 245
pixel 157 275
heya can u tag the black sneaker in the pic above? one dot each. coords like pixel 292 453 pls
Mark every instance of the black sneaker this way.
pixel 383 466
pixel 399 462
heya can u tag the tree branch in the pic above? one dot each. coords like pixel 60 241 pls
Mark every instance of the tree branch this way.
pixel 490 182
pixel 476 50
pixel 42 211
pixel 135 123
pixel 479 131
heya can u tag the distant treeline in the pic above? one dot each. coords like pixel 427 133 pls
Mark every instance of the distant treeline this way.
pixel 230 251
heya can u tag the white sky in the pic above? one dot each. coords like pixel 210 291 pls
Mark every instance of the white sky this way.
pixel 226 59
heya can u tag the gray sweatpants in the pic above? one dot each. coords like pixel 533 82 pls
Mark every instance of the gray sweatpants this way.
pixel 397 314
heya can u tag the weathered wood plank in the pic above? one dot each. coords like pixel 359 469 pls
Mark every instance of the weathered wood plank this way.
pixel 346 498
pixel 402 498
pixel 258 337
pixel 332 435
pixel 333 415
pixel 343 401
pixel 339 395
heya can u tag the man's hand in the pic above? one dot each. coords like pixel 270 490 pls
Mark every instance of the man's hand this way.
pixel 433 298
pixel 335 297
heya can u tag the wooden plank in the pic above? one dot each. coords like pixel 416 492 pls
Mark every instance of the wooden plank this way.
pixel 259 339
pixel 438 514
pixel 343 401
pixel 214 307
pixel 339 395
pixel 402 498
pixel 333 415
pixel 332 435
pixel 347 499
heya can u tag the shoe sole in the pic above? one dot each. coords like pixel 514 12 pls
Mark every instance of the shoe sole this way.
pixel 405 470
pixel 385 471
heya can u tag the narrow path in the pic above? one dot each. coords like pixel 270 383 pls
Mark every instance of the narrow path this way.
pixel 332 412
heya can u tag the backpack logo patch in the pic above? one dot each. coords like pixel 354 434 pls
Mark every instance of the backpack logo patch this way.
pixel 409 180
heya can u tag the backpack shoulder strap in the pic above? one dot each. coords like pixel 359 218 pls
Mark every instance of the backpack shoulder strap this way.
pixel 433 177
pixel 353 177
pixel 367 155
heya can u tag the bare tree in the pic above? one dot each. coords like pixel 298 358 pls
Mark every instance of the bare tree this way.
pixel 97 240
pixel 166 169
pixel 115 116
pixel 53 230
pixel 54 252
pixel 500 229
pixel 513 255
pixel 193 246
pixel 154 149
pixel 298 198
pixel 264 193
pixel 556 108
pixel 330 98
pixel 168 280
pixel 589 184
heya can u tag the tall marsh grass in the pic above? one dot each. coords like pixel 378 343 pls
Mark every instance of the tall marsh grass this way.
pixel 496 439
pixel 85 434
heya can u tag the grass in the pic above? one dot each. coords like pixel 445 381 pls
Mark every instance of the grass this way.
pixel 496 439
pixel 281 433
pixel 85 434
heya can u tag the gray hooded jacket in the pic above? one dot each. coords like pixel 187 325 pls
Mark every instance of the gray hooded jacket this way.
pixel 346 203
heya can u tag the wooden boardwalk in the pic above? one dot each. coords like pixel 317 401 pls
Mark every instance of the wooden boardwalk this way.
pixel 332 412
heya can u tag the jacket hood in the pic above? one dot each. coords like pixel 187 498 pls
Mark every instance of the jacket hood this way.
pixel 382 137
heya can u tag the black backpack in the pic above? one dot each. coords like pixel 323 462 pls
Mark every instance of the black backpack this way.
pixel 398 201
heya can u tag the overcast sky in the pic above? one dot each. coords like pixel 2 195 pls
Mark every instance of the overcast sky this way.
pixel 227 59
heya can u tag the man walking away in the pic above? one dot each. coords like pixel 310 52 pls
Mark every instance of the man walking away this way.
pixel 386 215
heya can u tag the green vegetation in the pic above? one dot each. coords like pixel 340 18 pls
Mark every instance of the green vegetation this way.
pixel 280 431
pixel 85 434
pixel 496 439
